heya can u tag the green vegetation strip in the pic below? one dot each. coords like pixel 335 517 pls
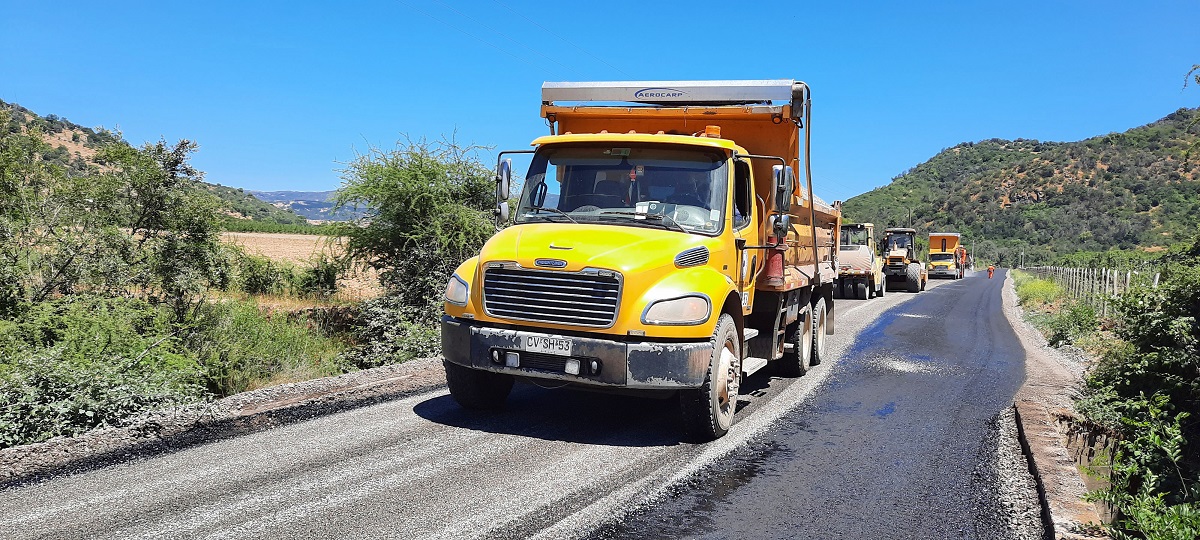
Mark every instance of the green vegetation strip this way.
pixel 1144 386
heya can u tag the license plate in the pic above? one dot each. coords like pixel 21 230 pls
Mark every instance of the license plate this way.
pixel 547 345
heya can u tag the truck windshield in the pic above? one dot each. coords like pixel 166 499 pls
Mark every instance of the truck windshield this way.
pixel 936 257
pixel 646 186
pixel 852 236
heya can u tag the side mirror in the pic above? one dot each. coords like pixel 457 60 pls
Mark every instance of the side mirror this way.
pixel 503 180
pixel 502 211
pixel 785 182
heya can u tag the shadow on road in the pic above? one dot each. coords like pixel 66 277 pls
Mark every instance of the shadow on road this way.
pixel 576 416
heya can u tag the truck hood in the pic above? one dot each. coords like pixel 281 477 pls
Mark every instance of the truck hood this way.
pixel 626 249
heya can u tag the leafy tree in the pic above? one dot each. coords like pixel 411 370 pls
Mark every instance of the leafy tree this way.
pixel 428 209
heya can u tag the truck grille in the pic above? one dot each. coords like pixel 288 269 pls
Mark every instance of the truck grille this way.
pixel 576 298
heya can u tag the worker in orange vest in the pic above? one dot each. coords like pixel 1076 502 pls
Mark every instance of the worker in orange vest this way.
pixel 991 270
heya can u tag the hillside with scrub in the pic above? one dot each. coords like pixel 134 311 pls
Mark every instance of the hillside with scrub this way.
pixel 1134 190
pixel 77 149
pixel 122 291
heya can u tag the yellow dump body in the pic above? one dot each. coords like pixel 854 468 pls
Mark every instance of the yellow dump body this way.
pixel 747 130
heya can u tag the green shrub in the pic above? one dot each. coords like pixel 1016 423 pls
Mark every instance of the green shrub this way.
pixel 260 275
pixel 390 332
pixel 241 348
pixel 1153 492
pixel 1070 323
pixel 82 362
pixel 1156 479
pixel 320 278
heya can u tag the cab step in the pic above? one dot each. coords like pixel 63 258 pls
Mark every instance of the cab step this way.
pixel 750 333
pixel 751 364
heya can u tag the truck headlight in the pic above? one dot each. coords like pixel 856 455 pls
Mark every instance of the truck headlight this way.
pixel 685 310
pixel 457 291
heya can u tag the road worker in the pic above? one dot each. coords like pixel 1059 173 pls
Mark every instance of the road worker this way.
pixel 991 270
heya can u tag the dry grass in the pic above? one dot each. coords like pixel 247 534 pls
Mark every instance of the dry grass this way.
pixel 302 249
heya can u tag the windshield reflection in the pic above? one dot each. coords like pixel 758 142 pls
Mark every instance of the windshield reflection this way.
pixel 676 188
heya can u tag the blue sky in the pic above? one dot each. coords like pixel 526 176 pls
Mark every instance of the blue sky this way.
pixel 279 94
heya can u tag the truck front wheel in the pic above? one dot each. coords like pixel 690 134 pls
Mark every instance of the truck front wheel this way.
pixel 477 389
pixel 914 277
pixel 708 410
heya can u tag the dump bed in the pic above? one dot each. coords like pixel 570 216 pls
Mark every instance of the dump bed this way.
pixel 762 117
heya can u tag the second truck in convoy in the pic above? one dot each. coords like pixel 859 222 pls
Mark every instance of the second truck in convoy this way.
pixel 662 244
pixel 860 269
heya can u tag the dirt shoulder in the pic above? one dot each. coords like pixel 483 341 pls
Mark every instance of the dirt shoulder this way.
pixel 248 412
pixel 1052 381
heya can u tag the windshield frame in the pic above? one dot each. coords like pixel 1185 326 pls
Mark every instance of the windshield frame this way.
pixel 641 212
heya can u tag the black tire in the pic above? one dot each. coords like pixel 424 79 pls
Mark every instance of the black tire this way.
pixel 797 361
pixel 477 389
pixel 837 288
pixel 708 411
pixel 881 289
pixel 818 332
pixel 860 289
pixel 914 277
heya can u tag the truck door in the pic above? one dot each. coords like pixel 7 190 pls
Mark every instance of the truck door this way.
pixel 747 219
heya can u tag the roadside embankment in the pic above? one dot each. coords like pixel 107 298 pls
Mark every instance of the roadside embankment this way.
pixel 1052 380
pixel 247 412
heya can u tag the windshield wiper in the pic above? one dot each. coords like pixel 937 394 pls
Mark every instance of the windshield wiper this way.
pixel 656 217
pixel 537 209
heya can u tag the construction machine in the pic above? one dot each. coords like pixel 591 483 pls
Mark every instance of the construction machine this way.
pixel 902 264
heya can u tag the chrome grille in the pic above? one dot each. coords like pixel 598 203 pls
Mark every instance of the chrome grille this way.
pixel 577 298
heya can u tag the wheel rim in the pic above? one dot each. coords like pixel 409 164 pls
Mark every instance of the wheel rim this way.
pixel 730 378
pixel 805 344
pixel 820 337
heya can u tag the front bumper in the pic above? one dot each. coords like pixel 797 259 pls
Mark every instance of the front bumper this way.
pixel 940 271
pixel 636 365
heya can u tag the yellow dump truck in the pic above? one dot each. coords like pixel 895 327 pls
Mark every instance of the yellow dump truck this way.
pixel 947 256
pixel 662 245
pixel 860 269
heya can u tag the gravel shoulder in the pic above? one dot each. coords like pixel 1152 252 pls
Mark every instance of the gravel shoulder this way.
pixel 244 413
pixel 1052 381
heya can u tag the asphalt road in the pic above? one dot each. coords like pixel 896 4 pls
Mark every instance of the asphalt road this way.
pixel 883 440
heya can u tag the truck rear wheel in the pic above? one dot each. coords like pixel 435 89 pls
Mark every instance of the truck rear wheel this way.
pixel 860 289
pixel 477 389
pixel 818 332
pixel 708 410
pixel 914 277
pixel 880 288
pixel 797 361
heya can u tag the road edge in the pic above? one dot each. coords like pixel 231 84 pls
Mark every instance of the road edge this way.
pixel 1049 380
pixel 240 414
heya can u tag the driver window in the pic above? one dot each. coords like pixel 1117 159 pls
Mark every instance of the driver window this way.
pixel 741 190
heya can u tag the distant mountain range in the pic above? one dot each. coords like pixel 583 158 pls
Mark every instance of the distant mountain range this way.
pixel 1137 189
pixel 313 205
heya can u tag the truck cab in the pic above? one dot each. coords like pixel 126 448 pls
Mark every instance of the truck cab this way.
pixel 663 249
